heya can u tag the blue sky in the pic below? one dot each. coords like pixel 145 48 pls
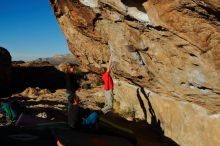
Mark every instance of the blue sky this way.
pixel 29 30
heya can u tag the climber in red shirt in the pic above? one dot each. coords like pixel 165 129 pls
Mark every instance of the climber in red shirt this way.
pixel 108 88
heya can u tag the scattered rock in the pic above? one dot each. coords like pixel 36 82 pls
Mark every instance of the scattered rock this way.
pixel 42 115
pixel 35 92
pixel 30 92
pixel 1 115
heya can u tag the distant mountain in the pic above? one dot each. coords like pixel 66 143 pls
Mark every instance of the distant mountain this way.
pixel 57 59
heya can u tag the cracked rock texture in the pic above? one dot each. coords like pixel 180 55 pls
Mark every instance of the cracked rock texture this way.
pixel 168 48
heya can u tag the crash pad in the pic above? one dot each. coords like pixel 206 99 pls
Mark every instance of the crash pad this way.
pixel 16 136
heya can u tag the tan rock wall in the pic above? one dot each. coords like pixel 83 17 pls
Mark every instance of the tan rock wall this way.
pixel 186 123
pixel 171 49
pixel 195 21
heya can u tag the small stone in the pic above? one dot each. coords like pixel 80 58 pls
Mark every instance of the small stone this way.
pixel 42 115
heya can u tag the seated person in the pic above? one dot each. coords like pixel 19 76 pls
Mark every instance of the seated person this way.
pixel 80 118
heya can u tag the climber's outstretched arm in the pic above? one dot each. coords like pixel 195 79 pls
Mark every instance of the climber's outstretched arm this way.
pixel 109 64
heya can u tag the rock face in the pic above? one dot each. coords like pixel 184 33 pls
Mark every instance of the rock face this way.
pixel 195 21
pixel 5 72
pixel 186 123
pixel 169 48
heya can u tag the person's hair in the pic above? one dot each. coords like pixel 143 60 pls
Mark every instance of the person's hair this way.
pixel 103 69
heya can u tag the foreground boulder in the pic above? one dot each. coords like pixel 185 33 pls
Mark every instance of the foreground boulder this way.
pixel 168 48
pixel 5 72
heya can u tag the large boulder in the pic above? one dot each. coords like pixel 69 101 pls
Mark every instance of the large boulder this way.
pixel 195 21
pixel 5 72
pixel 169 48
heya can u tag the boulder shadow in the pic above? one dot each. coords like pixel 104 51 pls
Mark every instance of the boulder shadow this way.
pixel 137 4
pixel 155 122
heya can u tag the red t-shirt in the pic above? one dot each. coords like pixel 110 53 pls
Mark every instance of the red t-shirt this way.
pixel 108 83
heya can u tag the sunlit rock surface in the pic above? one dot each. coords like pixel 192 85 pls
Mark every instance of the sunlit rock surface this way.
pixel 169 48
pixel 195 21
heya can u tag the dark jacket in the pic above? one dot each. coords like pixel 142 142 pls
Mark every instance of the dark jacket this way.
pixel 72 82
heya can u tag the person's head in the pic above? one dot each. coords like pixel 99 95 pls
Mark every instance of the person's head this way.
pixel 103 69
pixel 72 69
pixel 67 67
